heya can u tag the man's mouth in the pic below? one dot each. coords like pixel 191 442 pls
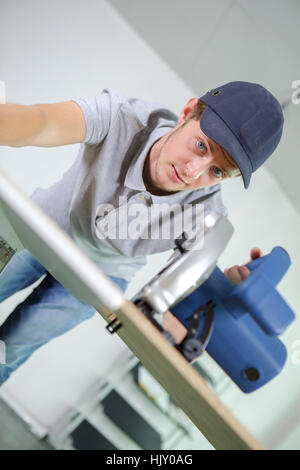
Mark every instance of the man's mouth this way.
pixel 176 176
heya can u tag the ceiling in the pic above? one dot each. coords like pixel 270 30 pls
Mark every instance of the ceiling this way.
pixel 209 43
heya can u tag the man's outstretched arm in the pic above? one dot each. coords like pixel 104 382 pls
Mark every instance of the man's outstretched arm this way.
pixel 41 125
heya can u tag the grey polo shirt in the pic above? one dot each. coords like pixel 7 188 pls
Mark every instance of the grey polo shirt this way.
pixel 102 202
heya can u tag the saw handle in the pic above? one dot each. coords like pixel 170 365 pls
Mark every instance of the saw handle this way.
pixel 257 293
pixel 274 265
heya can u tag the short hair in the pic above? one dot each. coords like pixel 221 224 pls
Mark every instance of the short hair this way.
pixel 198 110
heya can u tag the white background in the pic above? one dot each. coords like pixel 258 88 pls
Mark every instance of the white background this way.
pixel 59 50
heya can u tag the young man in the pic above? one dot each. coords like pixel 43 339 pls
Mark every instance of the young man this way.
pixel 133 153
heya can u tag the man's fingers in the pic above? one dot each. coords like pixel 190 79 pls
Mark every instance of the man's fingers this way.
pixel 236 274
pixel 233 274
pixel 255 253
pixel 244 272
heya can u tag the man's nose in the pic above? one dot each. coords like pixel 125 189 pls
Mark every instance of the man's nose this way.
pixel 196 167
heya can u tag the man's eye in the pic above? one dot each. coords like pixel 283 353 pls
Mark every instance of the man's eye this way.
pixel 218 173
pixel 200 145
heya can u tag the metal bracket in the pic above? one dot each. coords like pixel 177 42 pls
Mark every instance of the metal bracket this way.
pixel 193 346
pixel 113 326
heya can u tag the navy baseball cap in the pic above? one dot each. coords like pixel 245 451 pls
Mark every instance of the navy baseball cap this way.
pixel 246 120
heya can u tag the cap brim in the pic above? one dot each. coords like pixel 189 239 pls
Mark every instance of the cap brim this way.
pixel 217 130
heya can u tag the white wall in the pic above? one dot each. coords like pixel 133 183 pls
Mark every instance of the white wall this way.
pixel 54 51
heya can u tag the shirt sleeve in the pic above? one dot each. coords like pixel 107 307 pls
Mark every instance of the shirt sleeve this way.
pixel 97 110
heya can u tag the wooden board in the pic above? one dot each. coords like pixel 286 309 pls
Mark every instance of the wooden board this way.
pixel 55 250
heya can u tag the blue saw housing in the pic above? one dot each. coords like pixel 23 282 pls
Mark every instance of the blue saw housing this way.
pixel 248 317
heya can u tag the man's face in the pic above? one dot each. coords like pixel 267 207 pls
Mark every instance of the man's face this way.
pixel 186 159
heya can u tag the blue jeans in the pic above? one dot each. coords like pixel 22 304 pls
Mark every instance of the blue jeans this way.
pixel 49 311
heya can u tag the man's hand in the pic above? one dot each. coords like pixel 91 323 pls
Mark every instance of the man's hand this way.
pixel 237 274
pixel 174 326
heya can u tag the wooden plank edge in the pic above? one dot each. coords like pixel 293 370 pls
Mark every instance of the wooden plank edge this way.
pixel 184 384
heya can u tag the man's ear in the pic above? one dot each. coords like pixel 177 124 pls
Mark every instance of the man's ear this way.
pixel 187 110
